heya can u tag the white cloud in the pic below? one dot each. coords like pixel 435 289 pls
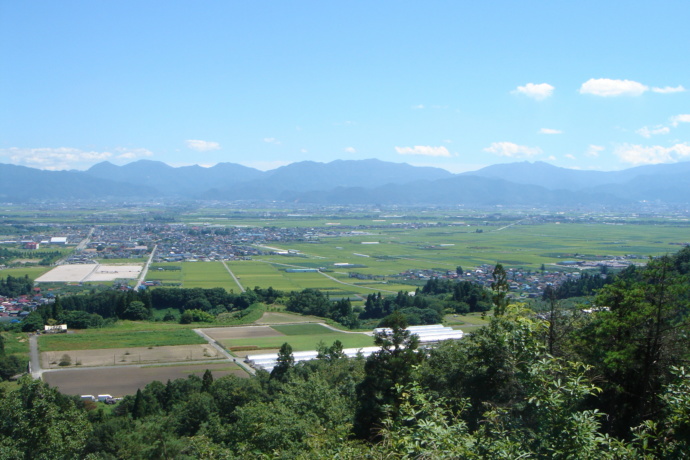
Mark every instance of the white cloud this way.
pixel 272 140
pixel 569 156
pixel 61 158
pixel 649 132
pixel 669 89
pixel 550 131
pixel 426 150
pixel 303 150
pixel 551 158
pixel 606 87
pixel 655 154
pixel 418 106
pixel 683 118
pixel 202 146
pixel 350 150
pixel 509 149
pixel 536 91
pixel 594 150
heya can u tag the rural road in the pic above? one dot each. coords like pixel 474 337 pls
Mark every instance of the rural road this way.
pixel 233 276
pixel 224 352
pixel 354 285
pixel 34 360
pixel 145 270
pixel 328 276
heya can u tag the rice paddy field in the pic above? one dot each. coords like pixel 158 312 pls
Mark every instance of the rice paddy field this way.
pixel 206 275
pixel 384 249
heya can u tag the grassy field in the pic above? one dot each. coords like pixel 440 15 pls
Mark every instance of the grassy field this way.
pixel 301 337
pixel 206 275
pixel 32 272
pixel 157 272
pixel 16 343
pixel 130 334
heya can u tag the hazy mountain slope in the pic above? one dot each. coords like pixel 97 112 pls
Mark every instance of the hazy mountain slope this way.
pixel 459 190
pixel 183 181
pixel 667 188
pixel 20 183
pixel 355 182
pixel 312 176
pixel 555 178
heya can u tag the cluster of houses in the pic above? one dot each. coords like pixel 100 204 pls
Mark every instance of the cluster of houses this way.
pixel 527 283
pixel 17 308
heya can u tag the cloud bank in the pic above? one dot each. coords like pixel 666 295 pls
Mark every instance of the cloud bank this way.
pixel 511 150
pixel 202 146
pixel 61 158
pixel 425 150
pixel 655 154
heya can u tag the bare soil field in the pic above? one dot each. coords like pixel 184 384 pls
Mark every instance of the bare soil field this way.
pixel 126 380
pixel 271 317
pixel 89 272
pixel 225 333
pixel 113 272
pixel 123 356
pixel 67 274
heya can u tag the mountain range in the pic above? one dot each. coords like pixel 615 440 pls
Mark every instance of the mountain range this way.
pixel 345 182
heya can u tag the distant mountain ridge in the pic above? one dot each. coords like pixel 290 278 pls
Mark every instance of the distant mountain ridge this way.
pixel 355 182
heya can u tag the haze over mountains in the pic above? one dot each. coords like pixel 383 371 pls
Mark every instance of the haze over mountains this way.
pixel 345 182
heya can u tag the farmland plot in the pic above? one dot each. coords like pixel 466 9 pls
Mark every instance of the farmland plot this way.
pixel 127 380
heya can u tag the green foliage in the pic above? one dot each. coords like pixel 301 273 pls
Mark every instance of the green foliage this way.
pixel 33 322
pixel 136 311
pixel 196 316
pixel 81 320
pixel 12 286
pixel 637 338
pixel 37 422
pixel 392 365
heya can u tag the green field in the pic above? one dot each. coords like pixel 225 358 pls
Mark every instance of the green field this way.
pixel 522 245
pixel 303 337
pixel 32 272
pixel 127 334
pixel 157 272
pixel 206 275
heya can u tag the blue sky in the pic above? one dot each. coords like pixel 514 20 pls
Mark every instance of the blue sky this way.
pixel 599 85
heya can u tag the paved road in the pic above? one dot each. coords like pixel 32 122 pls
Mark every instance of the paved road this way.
pixel 233 276
pixel 80 247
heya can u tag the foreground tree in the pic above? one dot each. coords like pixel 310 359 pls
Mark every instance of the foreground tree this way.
pixel 37 422
pixel 636 339
pixel 285 362
pixel 392 365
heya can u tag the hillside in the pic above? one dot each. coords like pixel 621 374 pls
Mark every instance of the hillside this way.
pixel 344 182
